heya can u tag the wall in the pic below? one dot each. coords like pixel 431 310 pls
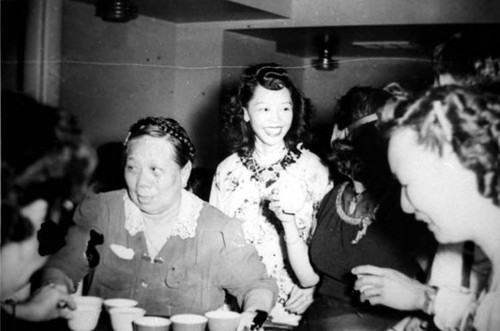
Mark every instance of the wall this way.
pixel 12 30
pixel 323 88
pixel 369 12
pixel 113 74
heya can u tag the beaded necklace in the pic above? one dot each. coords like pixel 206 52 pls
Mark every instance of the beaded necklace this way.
pixel 362 221
pixel 269 174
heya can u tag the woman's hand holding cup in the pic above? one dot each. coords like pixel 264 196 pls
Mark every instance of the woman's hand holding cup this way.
pixel 287 198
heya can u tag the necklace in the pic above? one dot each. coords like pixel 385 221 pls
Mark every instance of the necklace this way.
pixel 268 174
pixel 363 221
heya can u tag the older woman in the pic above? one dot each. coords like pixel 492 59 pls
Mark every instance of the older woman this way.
pixel 266 123
pixel 162 246
pixel 445 151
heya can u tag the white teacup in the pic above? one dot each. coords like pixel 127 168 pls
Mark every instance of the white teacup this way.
pixel 91 301
pixel 151 323
pixel 119 302
pixel 122 317
pixel 188 322
pixel 85 318
pixel 223 320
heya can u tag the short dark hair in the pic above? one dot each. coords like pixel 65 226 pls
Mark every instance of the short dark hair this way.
pixel 238 133
pixel 468 119
pixel 362 153
pixel 470 58
pixel 164 127
pixel 44 156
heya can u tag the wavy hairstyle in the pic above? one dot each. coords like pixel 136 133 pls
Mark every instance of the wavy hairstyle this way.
pixel 470 58
pixel 361 154
pixel 468 119
pixel 238 134
pixel 168 128
pixel 44 156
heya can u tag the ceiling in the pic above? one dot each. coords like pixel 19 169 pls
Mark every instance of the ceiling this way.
pixel 365 41
pixel 307 42
pixel 192 11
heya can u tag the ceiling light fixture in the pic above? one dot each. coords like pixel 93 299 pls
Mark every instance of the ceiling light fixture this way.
pixel 116 10
pixel 325 61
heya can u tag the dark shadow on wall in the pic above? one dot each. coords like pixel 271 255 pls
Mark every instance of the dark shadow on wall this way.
pixel 108 175
pixel 205 129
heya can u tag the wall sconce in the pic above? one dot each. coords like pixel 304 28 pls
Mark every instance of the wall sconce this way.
pixel 116 10
pixel 325 61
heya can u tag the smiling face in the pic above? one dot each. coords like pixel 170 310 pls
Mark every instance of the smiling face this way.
pixel 437 189
pixel 270 114
pixel 154 180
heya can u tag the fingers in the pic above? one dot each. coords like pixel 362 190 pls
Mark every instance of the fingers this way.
pixel 277 209
pixel 300 306
pixel 299 300
pixel 246 319
pixel 371 292
pixel 372 297
pixel 364 282
pixel 368 270
pixel 68 302
pixel 65 313
pixel 275 206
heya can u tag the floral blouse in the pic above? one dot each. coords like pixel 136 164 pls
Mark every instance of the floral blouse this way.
pixel 240 188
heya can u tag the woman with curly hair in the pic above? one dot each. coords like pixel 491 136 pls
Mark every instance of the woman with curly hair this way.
pixel 445 151
pixel 266 123
pixel 357 221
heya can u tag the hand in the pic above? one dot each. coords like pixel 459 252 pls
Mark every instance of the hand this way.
pixel 382 286
pixel 48 302
pixel 288 197
pixel 416 324
pixel 246 321
pixel 277 209
pixel 299 300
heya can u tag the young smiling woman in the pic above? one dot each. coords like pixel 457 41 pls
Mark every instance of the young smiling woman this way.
pixel 266 123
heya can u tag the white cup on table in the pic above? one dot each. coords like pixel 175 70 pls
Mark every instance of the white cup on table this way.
pixel 151 323
pixel 86 315
pixel 122 317
pixel 223 320
pixel 118 303
pixel 188 322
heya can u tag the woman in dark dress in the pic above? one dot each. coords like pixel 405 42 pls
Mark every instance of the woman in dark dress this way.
pixel 358 221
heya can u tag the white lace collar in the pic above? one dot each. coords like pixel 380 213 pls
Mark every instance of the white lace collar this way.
pixel 185 226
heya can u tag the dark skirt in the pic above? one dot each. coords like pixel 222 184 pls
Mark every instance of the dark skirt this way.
pixel 329 314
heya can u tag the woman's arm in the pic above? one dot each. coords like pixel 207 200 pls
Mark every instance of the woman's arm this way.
pixel 383 286
pixel 48 302
pixel 297 249
pixel 296 201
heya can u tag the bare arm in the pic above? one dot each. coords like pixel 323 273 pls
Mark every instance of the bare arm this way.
pixel 298 254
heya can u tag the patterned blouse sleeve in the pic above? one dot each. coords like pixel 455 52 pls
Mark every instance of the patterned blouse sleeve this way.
pixel 215 192
pixel 318 183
